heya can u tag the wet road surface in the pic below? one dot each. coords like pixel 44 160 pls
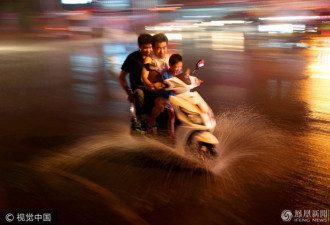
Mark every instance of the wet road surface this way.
pixel 65 143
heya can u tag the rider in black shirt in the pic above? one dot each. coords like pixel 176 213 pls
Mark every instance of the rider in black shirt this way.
pixel 133 66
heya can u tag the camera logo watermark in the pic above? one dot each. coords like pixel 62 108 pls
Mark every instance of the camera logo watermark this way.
pixel 286 215
pixel 10 217
pixel 306 216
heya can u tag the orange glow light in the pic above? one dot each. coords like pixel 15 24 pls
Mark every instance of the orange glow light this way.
pixel 56 28
pixel 164 9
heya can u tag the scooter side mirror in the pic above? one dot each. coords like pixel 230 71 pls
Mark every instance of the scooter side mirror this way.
pixel 150 67
pixel 200 63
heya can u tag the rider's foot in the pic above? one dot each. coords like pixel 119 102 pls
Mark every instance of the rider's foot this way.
pixel 172 135
pixel 137 128
pixel 152 130
pixel 151 127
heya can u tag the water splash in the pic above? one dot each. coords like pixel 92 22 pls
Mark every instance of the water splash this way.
pixel 243 127
pixel 251 147
pixel 149 180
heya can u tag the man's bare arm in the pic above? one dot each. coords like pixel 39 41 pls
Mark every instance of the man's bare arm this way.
pixel 145 74
pixel 123 81
pixel 124 84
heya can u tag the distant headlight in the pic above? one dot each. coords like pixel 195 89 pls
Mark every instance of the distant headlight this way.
pixel 192 116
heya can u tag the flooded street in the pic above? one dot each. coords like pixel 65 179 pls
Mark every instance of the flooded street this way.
pixel 65 144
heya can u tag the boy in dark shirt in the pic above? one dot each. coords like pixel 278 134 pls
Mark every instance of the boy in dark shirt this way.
pixel 133 66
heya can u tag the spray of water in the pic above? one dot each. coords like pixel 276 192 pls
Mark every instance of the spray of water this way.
pixel 251 149
pixel 133 175
pixel 250 146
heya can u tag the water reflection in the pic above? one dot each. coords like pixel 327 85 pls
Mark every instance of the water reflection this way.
pixel 320 62
pixel 318 90
pixel 89 87
pixel 315 92
pixel 229 41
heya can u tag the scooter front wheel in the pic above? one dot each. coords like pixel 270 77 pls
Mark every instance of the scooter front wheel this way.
pixel 200 150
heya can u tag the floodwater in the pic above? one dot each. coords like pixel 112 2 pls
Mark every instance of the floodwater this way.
pixel 65 143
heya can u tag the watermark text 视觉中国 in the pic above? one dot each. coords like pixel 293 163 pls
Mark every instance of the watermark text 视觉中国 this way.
pixel 28 217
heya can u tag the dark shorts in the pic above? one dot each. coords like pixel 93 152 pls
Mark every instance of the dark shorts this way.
pixel 149 99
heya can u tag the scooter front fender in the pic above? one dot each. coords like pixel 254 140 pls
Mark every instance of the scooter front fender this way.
pixel 183 134
pixel 206 137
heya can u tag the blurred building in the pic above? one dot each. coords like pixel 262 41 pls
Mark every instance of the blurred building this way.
pixel 36 15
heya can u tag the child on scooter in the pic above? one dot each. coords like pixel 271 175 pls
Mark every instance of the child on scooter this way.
pixel 175 63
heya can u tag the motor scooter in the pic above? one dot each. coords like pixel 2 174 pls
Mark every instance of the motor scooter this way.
pixel 195 120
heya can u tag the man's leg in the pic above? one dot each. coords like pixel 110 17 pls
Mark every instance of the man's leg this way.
pixel 170 120
pixel 158 108
pixel 139 103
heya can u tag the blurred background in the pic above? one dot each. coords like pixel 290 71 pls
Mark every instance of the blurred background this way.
pixel 64 118
pixel 96 17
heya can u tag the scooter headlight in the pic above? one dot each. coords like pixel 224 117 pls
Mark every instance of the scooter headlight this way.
pixel 192 116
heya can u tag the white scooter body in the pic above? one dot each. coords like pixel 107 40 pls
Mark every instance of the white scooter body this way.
pixel 196 117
